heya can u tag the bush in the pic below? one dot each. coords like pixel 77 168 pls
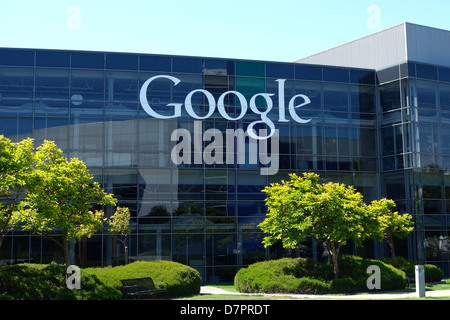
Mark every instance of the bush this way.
pixel 182 280
pixel 48 282
pixel 303 275
pixel 432 272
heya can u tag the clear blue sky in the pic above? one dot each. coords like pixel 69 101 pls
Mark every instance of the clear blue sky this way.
pixel 282 30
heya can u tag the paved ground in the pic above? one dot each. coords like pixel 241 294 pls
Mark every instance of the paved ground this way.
pixel 443 293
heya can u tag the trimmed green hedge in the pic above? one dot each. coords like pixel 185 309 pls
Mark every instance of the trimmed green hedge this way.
pixel 432 272
pixel 182 280
pixel 48 282
pixel 305 276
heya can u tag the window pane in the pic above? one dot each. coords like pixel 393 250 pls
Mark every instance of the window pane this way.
pixel 52 59
pixel 17 57
pixel 121 86
pixel 16 83
pixel 87 85
pixel 444 94
pixel 335 97
pixel 426 94
pixel 88 60
pixel 52 84
pixel 390 96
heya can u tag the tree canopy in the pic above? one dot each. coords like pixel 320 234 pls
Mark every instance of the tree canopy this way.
pixel 330 212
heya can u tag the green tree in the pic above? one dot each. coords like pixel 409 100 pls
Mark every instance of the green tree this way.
pixel 16 165
pixel 391 224
pixel 303 207
pixel 119 223
pixel 61 197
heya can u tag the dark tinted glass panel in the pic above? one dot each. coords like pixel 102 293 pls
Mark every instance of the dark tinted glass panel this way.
pixel 285 71
pixel 17 57
pixel 16 107
pixel 88 60
pixel 87 85
pixel 250 69
pixel 388 74
pixel 51 107
pixel 155 63
pixel 362 76
pixel 16 83
pixel 426 94
pixel 362 99
pixel 121 61
pixel 218 67
pixel 336 97
pixel 426 72
pixel 411 69
pixel 444 74
pixel 121 86
pixel 52 84
pixel 52 59
pixel 444 93
pixel 189 65
pixel 13 127
pixel 335 74
pixel 80 108
pixel 390 96
pixel 308 72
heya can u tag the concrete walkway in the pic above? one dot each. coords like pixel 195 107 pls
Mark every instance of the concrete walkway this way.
pixel 382 296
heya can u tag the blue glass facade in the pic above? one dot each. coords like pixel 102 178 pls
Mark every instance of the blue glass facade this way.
pixel 383 132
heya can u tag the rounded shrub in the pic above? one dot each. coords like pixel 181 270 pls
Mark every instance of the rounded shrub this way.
pixel 182 280
pixel 48 282
pixel 305 276
pixel 432 272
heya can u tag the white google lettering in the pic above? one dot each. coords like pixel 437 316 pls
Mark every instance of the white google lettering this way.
pixel 221 105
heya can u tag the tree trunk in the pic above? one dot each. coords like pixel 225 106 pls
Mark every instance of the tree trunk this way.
pixel 124 242
pixel 65 245
pixel 331 246
pixel 390 241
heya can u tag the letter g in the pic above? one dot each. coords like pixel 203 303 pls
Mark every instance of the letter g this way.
pixel 144 102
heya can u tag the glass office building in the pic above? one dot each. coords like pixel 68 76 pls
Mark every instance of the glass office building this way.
pixel 384 129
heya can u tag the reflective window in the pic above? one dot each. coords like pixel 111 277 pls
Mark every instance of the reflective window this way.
pixel 88 60
pixel 444 96
pixel 16 83
pixel 52 59
pixel 155 63
pixel 16 107
pixel 121 86
pixel 244 68
pixel 87 85
pixel 362 99
pixel 444 74
pixel 17 57
pixel 188 65
pixel 335 74
pixel 51 107
pixel 335 97
pixel 121 61
pixel 426 94
pixel 16 128
pixel 308 72
pixel 313 91
pixel 52 84
pixel 280 71
pixel 426 72
pixel 390 96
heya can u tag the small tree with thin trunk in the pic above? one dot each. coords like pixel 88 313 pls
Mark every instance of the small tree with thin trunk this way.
pixel 119 224
pixel 391 224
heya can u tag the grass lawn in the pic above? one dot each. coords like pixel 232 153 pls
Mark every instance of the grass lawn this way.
pixel 231 288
